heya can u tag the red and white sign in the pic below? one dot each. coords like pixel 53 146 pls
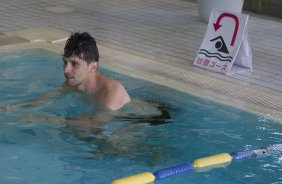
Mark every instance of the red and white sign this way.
pixel 225 48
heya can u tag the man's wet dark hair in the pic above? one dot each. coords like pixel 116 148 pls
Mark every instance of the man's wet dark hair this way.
pixel 82 45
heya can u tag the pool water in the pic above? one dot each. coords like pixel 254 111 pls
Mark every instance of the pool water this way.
pixel 37 151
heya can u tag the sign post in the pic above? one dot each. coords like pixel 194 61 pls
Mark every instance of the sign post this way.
pixel 225 47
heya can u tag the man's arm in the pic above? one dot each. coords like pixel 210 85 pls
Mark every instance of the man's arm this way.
pixel 34 101
pixel 100 117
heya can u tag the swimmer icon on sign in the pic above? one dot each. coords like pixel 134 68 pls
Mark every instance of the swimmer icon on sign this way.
pixel 225 48
pixel 221 49
pixel 220 44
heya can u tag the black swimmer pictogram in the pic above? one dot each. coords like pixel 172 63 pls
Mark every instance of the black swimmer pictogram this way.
pixel 220 44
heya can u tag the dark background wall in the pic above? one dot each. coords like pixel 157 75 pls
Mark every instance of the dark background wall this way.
pixel 272 8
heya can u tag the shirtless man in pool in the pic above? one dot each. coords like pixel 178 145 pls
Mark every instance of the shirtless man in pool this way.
pixel 81 61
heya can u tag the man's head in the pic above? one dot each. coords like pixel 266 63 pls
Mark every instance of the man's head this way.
pixel 80 58
pixel 82 45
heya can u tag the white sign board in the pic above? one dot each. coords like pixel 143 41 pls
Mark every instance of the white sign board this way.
pixel 225 48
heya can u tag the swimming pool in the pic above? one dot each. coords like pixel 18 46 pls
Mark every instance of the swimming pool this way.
pixel 41 152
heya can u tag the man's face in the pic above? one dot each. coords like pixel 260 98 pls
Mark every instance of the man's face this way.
pixel 76 71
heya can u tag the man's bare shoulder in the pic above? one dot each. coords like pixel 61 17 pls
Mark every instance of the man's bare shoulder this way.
pixel 110 85
pixel 114 95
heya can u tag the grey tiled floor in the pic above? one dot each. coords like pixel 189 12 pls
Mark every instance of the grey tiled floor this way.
pixel 168 30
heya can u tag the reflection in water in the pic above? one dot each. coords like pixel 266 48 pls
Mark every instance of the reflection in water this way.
pixel 126 135
pixel 145 112
pixel 122 134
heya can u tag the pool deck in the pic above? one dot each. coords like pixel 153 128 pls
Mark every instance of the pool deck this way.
pixel 156 40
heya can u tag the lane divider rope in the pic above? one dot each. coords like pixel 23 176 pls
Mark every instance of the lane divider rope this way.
pixel 201 164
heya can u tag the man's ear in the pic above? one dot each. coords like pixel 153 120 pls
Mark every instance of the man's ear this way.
pixel 93 66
